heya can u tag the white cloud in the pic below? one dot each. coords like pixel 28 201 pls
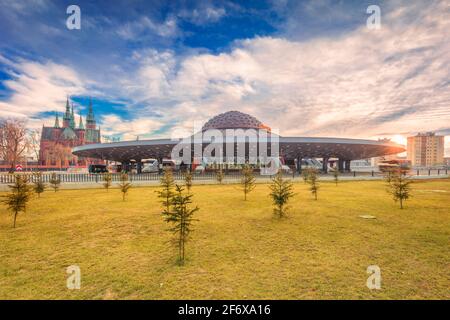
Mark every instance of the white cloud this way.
pixel 136 29
pixel 203 14
pixel 129 129
pixel 363 84
pixel 38 87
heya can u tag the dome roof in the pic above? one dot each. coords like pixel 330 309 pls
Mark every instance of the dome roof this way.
pixel 234 120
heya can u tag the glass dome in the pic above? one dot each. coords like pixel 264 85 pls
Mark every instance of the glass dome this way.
pixel 234 120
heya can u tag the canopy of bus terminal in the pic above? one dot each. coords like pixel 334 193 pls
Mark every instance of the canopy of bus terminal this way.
pixel 291 150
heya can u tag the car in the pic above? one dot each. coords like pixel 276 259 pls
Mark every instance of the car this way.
pixel 199 169
pixel 97 168
pixel 286 169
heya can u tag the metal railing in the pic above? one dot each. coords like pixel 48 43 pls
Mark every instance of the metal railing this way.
pixel 7 178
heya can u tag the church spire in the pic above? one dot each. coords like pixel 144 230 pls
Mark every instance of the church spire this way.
pixel 90 119
pixel 56 120
pixel 72 119
pixel 81 125
pixel 67 115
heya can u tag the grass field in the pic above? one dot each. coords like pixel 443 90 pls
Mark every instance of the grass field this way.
pixel 238 249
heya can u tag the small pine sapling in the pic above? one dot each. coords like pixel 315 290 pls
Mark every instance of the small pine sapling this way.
pixel 124 185
pixel 17 200
pixel 399 186
pixel 167 184
pixel 313 181
pixel 180 216
pixel 55 181
pixel 188 180
pixel 107 181
pixel 219 175
pixel 281 194
pixel 248 180
pixel 39 185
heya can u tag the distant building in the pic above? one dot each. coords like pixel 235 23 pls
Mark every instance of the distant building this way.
pixel 246 139
pixel 425 149
pixel 57 142
pixel 447 161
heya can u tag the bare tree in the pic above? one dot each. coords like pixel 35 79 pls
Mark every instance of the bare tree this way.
pixel 35 142
pixel 14 141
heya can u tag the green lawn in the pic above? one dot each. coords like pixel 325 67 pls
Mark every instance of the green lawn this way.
pixel 238 249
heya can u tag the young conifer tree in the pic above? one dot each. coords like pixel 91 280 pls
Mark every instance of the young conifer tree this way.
pixel 336 174
pixel 55 181
pixel 180 215
pixel 305 173
pixel 107 181
pixel 313 181
pixel 124 185
pixel 19 196
pixel 399 186
pixel 281 194
pixel 188 180
pixel 38 184
pixel 166 193
pixel 219 175
pixel 248 180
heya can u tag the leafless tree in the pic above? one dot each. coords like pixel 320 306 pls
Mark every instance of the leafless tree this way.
pixel 14 141
pixel 35 142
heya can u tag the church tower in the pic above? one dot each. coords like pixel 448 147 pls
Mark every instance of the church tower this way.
pixel 72 119
pixel 90 119
pixel 56 126
pixel 67 115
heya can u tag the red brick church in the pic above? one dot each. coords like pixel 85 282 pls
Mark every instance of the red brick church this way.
pixel 57 142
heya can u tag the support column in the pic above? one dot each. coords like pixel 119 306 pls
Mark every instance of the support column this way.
pixel 325 165
pixel 341 165
pixel 347 165
pixel 139 167
pixel 299 164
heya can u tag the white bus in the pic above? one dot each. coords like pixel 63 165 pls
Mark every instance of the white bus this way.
pixel 150 165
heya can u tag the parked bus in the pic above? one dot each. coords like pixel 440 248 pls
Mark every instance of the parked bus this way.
pixel 150 165
pixel 388 165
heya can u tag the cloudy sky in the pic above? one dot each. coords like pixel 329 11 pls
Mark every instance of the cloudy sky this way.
pixel 308 68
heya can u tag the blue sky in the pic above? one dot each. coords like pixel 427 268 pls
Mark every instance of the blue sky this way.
pixel 154 68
